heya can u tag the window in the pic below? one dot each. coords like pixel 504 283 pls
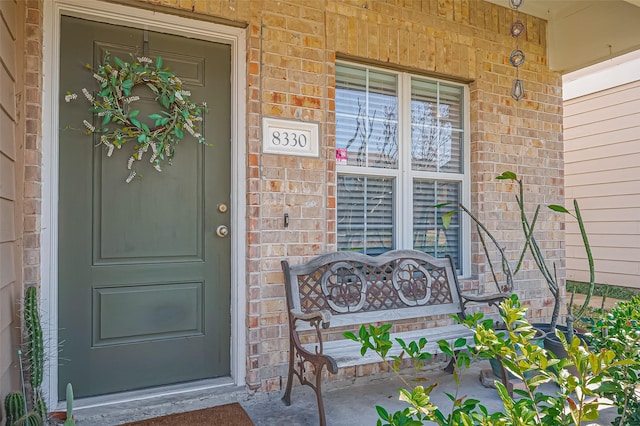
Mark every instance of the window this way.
pixel 400 151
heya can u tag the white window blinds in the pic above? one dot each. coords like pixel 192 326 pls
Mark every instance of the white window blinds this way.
pixel 400 151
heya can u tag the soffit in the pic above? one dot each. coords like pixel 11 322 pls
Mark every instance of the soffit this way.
pixel 584 32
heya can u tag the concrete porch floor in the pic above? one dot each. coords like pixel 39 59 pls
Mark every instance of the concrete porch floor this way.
pixel 346 402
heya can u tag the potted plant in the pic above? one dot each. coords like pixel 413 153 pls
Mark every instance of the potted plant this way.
pixel 550 276
pixel 531 245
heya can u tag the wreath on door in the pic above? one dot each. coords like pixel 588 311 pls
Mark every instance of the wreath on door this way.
pixel 114 107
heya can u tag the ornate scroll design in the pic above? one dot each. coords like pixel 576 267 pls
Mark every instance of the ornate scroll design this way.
pixel 412 282
pixel 345 287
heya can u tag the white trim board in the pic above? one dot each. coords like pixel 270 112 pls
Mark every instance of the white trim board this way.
pixel 171 24
pixel 605 75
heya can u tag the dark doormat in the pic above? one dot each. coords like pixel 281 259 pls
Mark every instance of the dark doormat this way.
pixel 223 415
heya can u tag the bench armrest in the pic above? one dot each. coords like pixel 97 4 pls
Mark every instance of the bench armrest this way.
pixel 316 320
pixel 324 317
pixel 490 299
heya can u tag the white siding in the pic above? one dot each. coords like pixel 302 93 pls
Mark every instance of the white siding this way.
pixel 602 171
pixel 10 204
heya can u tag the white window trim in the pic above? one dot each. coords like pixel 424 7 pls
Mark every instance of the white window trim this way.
pixel 403 236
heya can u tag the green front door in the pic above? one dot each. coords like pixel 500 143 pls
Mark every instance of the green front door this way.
pixel 144 279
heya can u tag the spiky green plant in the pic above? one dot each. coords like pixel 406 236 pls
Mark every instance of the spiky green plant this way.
pixel 14 406
pixel 35 349
pixel 30 419
pixel 35 345
pixel 29 407
pixel 39 404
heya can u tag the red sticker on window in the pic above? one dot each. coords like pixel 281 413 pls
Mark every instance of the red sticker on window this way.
pixel 341 155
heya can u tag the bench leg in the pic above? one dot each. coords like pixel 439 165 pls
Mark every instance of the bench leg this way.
pixel 451 366
pixel 317 386
pixel 286 398
pixel 318 389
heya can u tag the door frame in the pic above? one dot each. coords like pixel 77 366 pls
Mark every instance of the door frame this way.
pixel 171 24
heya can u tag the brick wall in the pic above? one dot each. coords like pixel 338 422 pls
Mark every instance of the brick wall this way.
pixel 293 46
pixel 32 141
pixel 291 52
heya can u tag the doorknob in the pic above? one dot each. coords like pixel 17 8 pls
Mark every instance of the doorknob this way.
pixel 222 231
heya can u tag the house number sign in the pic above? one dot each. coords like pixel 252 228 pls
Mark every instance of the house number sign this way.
pixel 290 137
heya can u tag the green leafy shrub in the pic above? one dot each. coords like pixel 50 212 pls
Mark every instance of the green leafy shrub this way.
pixel 619 331
pixel 576 400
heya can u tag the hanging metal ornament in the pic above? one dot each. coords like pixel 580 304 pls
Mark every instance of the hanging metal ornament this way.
pixel 517 58
pixel 517 29
pixel 517 91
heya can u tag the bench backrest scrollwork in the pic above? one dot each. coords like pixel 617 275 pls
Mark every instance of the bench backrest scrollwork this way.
pixel 356 288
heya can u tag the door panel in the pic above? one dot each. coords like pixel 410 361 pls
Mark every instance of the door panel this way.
pixel 141 313
pixel 144 282
pixel 177 218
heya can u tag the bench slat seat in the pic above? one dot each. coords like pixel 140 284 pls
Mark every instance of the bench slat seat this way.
pixel 346 353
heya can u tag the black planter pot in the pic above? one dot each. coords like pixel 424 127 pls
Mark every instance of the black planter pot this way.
pixel 553 344
pixel 546 327
pixel 497 368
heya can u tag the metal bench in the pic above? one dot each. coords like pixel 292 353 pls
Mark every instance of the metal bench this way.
pixel 344 290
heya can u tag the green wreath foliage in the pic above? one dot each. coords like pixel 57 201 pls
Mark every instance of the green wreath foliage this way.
pixel 113 106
